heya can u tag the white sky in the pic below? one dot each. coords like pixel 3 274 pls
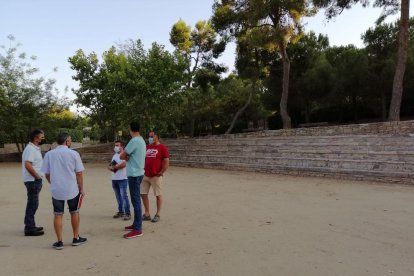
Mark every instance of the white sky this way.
pixel 53 30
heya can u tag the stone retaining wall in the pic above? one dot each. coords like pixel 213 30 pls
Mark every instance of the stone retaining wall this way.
pixel 375 151
pixel 386 128
pixel 10 157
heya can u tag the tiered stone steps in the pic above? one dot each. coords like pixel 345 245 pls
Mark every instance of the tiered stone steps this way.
pixel 101 153
pixel 371 157
pixel 377 151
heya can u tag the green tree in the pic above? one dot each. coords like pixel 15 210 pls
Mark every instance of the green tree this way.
pixel 158 89
pixel 130 83
pixel 250 67
pixel 269 25
pixel 350 66
pixel 381 44
pixel 100 87
pixel 199 48
pixel 25 98
pixel 240 98
pixel 335 7
pixel 311 77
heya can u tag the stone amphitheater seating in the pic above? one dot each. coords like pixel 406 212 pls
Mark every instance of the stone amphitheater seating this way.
pixel 356 157
pixel 378 152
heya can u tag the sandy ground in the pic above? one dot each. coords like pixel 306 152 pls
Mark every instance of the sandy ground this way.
pixel 220 223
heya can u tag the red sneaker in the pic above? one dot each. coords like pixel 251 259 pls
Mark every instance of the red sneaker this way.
pixel 133 234
pixel 129 228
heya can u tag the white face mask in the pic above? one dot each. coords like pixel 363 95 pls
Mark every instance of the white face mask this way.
pixel 117 149
pixel 151 140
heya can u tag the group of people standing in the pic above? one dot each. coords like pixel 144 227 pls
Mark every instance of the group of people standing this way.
pixel 137 166
pixel 63 169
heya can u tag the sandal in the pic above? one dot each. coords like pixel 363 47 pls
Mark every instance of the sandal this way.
pixel 156 218
pixel 146 218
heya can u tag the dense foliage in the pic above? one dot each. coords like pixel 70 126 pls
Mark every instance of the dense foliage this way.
pixel 26 100
pixel 186 92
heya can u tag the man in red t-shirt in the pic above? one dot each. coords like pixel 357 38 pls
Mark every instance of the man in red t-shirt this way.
pixel 157 160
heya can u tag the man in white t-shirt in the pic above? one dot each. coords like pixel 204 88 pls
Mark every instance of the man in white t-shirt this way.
pixel 32 178
pixel 63 169
pixel 120 182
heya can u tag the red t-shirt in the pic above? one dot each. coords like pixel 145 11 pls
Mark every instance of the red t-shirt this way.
pixel 154 157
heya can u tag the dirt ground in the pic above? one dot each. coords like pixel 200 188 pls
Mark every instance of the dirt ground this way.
pixel 220 223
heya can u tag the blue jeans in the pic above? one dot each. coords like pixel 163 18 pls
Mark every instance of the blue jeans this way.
pixel 134 183
pixel 33 190
pixel 120 189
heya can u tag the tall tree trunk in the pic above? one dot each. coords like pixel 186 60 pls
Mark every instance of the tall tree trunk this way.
pixel 191 114
pixel 307 108
pixel 18 141
pixel 190 106
pixel 19 148
pixel 397 86
pixel 285 88
pixel 355 107
pixel 241 110
pixel 383 106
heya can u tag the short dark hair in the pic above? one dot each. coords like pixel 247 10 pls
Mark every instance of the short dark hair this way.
pixel 155 133
pixel 119 141
pixel 62 137
pixel 35 133
pixel 134 126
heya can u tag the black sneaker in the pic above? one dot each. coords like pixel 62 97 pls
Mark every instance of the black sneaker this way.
pixel 78 241
pixel 146 218
pixel 127 216
pixel 33 233
pixel 58 245
pixel 118 215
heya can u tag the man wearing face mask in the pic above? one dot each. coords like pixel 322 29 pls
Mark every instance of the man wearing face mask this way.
pixel 120 182
pixel 63 169
pixel 32 178
pixel 157 161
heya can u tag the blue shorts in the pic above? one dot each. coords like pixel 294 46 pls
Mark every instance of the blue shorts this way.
pixel 59 205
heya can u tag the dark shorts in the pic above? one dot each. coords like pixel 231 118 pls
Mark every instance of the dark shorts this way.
pixel 59 205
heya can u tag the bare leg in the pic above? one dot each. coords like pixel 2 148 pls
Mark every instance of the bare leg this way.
pixel 145 202
pixel 75 220
pixel 159 204
pixel 57 223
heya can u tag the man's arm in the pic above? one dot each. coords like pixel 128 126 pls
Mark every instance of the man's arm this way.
pixel 127 151
pixel 123 156
pixel 79 180
pixel 164 167
pixel 120 165
pixel 29 167
pixel 47 177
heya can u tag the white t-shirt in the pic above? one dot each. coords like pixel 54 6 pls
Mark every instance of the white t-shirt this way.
pixel 120 174
pixel 32 154
pixel 62 164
